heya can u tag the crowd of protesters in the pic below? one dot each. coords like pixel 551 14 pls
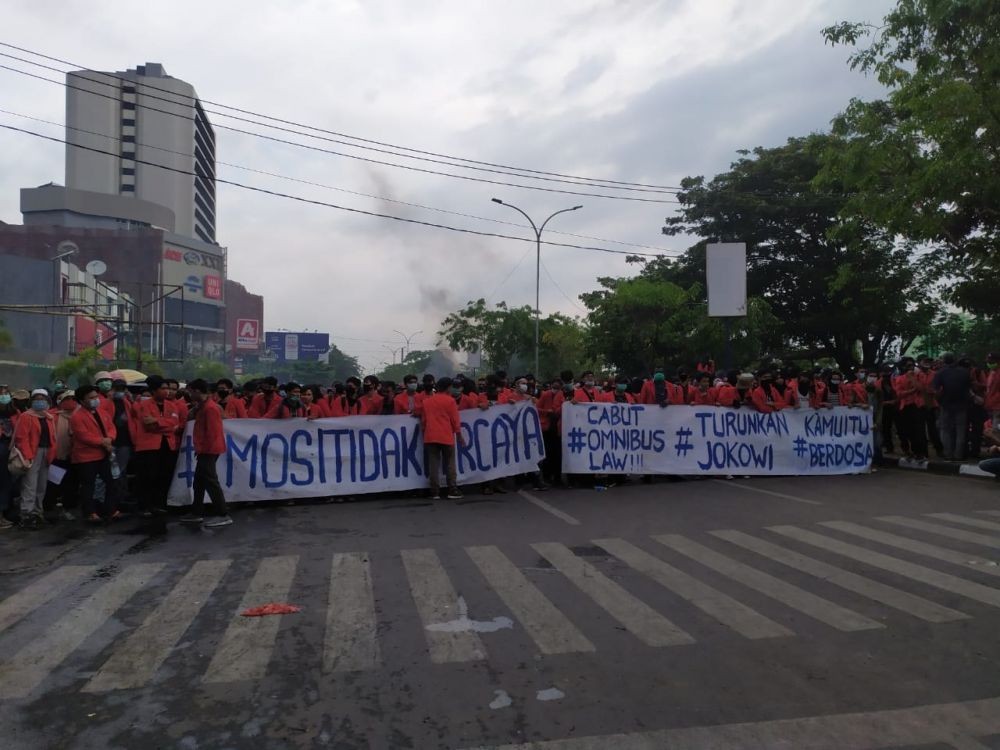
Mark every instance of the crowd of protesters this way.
pixel 77 449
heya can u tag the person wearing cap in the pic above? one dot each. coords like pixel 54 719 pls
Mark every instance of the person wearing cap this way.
pixel 209 443
pixel 93 444
pixel 441 426
pixel 8 420
pixel 157 439
pixel 657 390
pixel 104 383
pixel 34 437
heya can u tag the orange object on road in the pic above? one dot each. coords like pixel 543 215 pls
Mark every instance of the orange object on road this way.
pixel 270 609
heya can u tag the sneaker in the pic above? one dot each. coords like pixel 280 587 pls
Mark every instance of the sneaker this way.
pixel 192 519
pixel 5 524
pixel 212 523
pixel 455 495
pixel 31 523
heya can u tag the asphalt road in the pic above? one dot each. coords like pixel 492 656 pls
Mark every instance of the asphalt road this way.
pixel 842 612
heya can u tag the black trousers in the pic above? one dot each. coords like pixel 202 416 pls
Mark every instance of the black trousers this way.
pixel 154 470
pixel 87 474
pixel 206 479
pixel 889 418
pixel 913 428
pixel 932 434
pixel 552 465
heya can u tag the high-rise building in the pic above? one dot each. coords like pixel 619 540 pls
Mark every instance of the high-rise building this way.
pixel 144 118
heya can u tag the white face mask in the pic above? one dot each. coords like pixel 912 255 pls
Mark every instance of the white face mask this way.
pixel 589 383
pixel 872 379
pixel 522 387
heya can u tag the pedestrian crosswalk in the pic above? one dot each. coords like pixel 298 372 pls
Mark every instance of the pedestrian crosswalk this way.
pixel 663 591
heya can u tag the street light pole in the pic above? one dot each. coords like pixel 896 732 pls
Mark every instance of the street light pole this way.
pixel 407 339
pixel 538 262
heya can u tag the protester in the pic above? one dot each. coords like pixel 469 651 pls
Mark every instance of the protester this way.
pixel 209 444
pixel 93 435
pixel 992 399
pixel 233 407
pixel 952 385
pixel 909 389
pixel 441 427
pixel 34 436
pixel 409 401
pixel 8 420
pixel 104 384
pixel 158 428
pixel 63 495
pixel 262 402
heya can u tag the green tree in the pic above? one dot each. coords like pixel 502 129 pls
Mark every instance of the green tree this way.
pixel 342 365
pixel 922 162
pixel 202 367
pixel 414 362
pixel 837 287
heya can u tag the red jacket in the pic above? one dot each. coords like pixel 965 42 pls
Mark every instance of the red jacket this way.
pixel 87 435
pixel 317 410
pixel 705 398
pixel 107 405
pixel 401 402
pixel 259 406
pixel 468 401
pixel 729 395
pixel 909 390
pixel 168 424
pixel 235 408
pixel 992 402
pixel 182 409
pixel 440 419
pixel 550 408
pixel 584 395
pixel 281 410
pixel 671 393
pixel 28 433
pixel 209 438
pixel 372 403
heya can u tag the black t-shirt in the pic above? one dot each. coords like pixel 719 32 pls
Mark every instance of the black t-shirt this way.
pixel 45 439
pixel 953 383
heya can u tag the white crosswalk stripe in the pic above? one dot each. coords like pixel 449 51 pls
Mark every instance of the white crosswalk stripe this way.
pixel 246 647
pixel 350 619
pixel 978 523
pixel 41 591
pixel 973 562
pixel 879 592
pixel 449 637
pixel 550 629
pixel 639 618
pixel 961 535
pixel 820 609
pixel 350 642
pixel 136 661
pixel 32 664
pixel 920 573
pixel 714 603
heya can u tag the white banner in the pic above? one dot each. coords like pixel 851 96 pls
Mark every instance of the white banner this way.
pixel 270 459
pixel 707 440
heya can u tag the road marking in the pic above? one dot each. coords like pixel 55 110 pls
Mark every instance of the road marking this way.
pixel 920 725
pixel 549 508
pixel 750 488
pixel 552 632
pixel 966 521
pixel 135 663
pixel 648 625
pixel 879 592
pixel 966 560
pixel 39 592
pixel 438 603
pixel 29 666
pixel 350 640
pixel 246 647
pixel 945 581
pixel 725 609
pixel 935 528
pixel 832 614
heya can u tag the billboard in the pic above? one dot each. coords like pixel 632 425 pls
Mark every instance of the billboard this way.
pixel 726 272
pixel 200 273
pixel 288 346
pixel 247 333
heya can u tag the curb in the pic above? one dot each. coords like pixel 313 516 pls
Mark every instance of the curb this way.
pixel 938 467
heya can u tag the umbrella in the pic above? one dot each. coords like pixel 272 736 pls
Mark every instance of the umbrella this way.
pixel 129 376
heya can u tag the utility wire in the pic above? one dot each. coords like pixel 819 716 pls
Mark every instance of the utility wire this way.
pixel 331 205
pixel 339 189
pixel 347 155
pixel 609 183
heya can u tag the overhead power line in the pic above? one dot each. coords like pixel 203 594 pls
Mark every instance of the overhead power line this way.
pixel 339 189
pixel 452 161
pixel 313 201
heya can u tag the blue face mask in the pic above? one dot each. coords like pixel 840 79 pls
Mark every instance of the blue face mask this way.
pixel 4 399
pixel 40 405
pixel 95 403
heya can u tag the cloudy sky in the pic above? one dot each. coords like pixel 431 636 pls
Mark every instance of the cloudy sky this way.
pixel 645 91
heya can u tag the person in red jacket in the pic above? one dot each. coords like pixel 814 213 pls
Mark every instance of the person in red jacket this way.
pixel 209 443
pixel 441 425
pixel 768 396
pixel 587 392
pixel 704 393
pixel 233 407
pixel 313 402
pixel 909 387
pixel 263 401
pixel 93 434
pixel 991 401
pixel 549 407
pixel 34 437
pixel 290 407
pixel 371 398
pixel 9 415
pixel 408 402
pixel 157 439
pixel 103 382
pixel 621 394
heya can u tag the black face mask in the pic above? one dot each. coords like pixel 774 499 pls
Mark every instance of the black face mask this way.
pixel 223 395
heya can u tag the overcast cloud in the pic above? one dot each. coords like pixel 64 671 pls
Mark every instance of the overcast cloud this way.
pixel 637 91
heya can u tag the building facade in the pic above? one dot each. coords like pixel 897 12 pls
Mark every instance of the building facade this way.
pixel 130 124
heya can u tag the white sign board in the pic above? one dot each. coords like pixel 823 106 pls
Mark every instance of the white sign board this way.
pixel 726 275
